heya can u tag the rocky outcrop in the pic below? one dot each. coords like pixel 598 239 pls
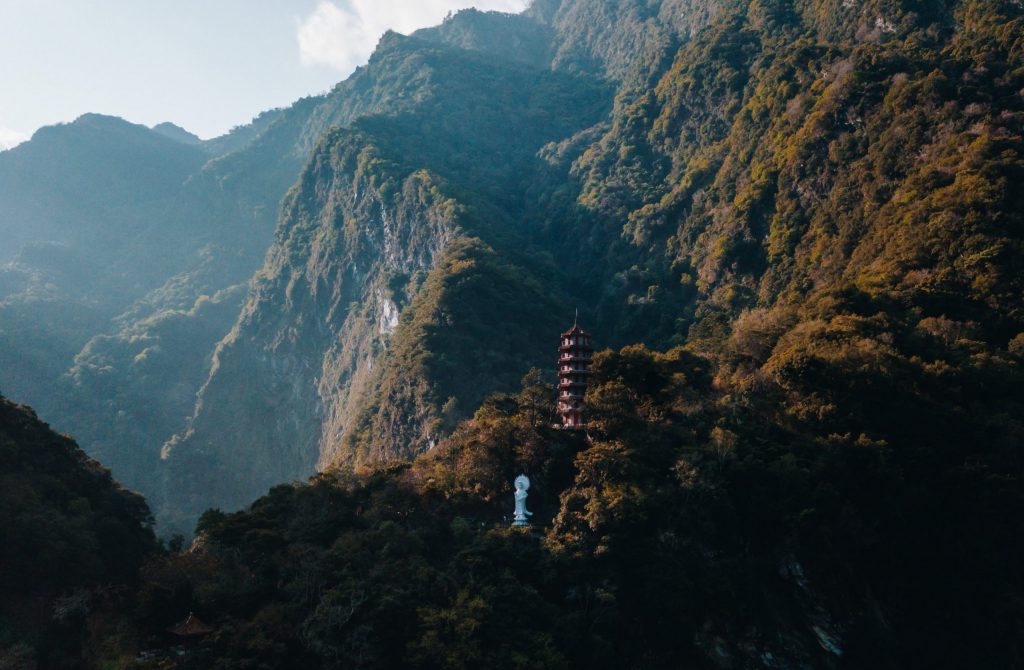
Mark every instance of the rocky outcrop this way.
pixel 339 355
pixel 311 330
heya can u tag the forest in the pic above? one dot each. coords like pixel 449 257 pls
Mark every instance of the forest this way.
pixel 794 229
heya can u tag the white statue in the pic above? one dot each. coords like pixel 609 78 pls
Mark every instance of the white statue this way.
pixel 522 486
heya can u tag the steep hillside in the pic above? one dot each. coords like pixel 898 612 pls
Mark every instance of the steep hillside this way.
pixel 407 212
pixel 73 540
pixel 785 153
pixel 83 184
pixel 753 156
pixel 136 245
pixel 698 522
pixel 797 226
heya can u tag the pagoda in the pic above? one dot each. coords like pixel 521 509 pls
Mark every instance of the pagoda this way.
pixel 574 355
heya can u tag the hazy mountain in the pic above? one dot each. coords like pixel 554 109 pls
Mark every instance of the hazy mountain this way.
pixel 797 227
pixel 84 184
pixel 113 228
pixel 176 133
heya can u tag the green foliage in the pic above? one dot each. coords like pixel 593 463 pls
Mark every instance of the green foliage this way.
pixel 710 508
pixel 790 151
pixel 810 208
pixel 436 353
pixel 73 540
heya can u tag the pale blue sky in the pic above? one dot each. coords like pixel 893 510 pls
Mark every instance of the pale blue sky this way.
pixel 206 65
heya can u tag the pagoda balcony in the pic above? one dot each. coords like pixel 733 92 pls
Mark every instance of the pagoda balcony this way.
pixel 577 347
pixel 573 359
pixel 566 370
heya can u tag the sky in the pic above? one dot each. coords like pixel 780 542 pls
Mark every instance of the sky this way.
pixel 206 65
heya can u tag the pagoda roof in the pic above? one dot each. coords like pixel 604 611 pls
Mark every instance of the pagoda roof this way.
pixel 575 330
pixel 190 626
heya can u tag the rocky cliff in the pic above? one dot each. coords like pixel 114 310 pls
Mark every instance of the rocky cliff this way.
pixel 401 246
pixel 672 167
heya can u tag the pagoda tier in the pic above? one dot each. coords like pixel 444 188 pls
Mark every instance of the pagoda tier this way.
pixel 574 354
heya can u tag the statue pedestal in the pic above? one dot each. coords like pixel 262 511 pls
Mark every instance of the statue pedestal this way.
pixel 520 520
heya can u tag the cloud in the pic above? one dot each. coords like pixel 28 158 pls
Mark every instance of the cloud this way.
pixel 342 34
pixel 10 138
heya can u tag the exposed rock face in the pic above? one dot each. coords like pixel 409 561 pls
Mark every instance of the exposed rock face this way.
pixel 371 239
pixel 701 179
pixel 679 168
pixel 311 330
pixel 129 252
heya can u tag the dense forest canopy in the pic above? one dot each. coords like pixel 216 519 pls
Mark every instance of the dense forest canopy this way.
pixel 73 544
pixel 795 230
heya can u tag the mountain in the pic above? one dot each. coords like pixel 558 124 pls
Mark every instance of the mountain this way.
pixel 129 253
pixel 70 184
pixel 793 227
pixel 721 165
pixel 177 133
pixel 111 227
pixel 73 538
pixel 156 233
pixel 375 212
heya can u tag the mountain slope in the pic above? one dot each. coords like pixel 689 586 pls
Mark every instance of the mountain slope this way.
pixel 697 522
pixel 135 244
pixel 72 537
pixel 777 157
pixel 753 156
pixel 371 219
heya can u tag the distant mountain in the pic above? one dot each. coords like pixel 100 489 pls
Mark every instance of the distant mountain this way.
pixel 176 133
pixel 796 226
pixel 111 227
pixel 84 184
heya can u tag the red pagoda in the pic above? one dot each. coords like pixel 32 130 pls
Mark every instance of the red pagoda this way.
pixel 573 360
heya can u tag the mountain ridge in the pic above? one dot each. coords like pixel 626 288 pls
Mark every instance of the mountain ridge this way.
pixel 795 234
pixel 680 147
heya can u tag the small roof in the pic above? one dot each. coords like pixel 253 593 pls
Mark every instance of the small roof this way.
pixel 575 330
pixel 192 625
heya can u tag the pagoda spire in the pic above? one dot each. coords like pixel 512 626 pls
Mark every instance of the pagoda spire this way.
pixel 574 353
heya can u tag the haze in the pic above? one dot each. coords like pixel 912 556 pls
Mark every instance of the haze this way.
pixel 206 66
